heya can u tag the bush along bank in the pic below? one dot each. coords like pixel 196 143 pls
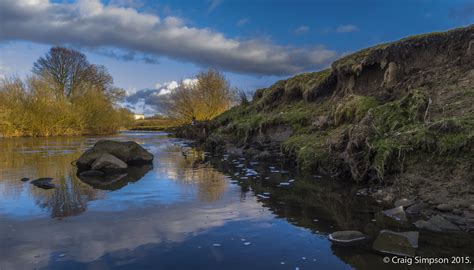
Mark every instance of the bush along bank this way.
pixel 398 116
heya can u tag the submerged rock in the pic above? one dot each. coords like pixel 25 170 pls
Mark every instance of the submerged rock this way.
pixel 129 152
pixel 44 183
pixel 397 243
pixel 346 237
pixel 392 217
pixel 436 223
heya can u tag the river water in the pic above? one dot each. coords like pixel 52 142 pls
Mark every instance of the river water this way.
pixel 189 211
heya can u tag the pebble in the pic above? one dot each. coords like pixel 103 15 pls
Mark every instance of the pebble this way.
pixel 284 184
pixel 216 245
pixel 247 243
pixel 282 263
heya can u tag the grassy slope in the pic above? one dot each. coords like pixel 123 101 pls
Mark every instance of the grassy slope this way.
pixel 367 137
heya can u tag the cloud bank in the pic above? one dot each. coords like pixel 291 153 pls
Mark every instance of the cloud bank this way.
pixel 91 24
pixel 152 101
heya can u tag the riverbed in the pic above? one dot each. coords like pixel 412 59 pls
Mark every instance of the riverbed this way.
pixel 191 210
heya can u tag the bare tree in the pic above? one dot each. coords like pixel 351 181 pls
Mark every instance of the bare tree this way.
pixel 70 74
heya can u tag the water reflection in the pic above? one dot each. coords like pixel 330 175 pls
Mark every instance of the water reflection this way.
pixel 116 181
pixel 52 157
pixel 179 208
pixel 70 198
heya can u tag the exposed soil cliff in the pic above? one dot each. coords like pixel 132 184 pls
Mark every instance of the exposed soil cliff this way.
pixel 400 113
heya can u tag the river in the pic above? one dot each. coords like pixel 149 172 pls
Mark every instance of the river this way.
pixel 190 211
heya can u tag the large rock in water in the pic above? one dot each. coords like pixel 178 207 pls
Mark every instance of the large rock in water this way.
pixel 397 243
pixel 129 152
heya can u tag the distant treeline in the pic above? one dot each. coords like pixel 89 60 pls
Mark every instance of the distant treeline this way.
pixel 66 95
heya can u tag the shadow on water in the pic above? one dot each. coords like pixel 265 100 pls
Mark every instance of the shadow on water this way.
pixel 116 181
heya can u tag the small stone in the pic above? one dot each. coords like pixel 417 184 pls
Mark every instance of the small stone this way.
pixel 216 245
pixel 25 179
pixel 282 263
pixel 247 243
pixel 44 183
pixel 457 211
pixel 392 217
pixel 404 202
pixel 346 237
pixel 444 207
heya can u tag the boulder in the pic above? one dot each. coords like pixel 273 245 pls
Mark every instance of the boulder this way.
pixel 108 163
pixel 392 217
pixel 436 223
pixel 397 243
pixel 44 183
pixel 129 152
pixel 346 237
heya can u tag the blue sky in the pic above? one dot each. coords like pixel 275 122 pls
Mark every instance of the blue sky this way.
pixel 145 43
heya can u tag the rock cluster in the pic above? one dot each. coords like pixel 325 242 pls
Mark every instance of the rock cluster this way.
pixel 112 156
pixel 112 164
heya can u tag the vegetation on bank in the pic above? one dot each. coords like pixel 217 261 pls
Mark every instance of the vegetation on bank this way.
pixel 332 122
pixel 66 95
pixel 321 132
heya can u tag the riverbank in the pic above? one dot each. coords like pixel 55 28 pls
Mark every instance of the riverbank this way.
pixel 397 118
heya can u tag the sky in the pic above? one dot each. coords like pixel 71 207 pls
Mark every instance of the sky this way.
pixel 150 46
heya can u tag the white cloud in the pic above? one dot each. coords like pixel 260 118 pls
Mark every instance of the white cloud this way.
pixel 91 24
pixel 347 28
pixel 243 21
pixel 213 5
pixel 151 101
pixel 301 29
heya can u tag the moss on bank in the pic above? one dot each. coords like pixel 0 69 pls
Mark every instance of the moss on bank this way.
pixel 329 121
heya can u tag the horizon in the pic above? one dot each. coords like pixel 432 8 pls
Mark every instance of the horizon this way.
pixel 166 42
